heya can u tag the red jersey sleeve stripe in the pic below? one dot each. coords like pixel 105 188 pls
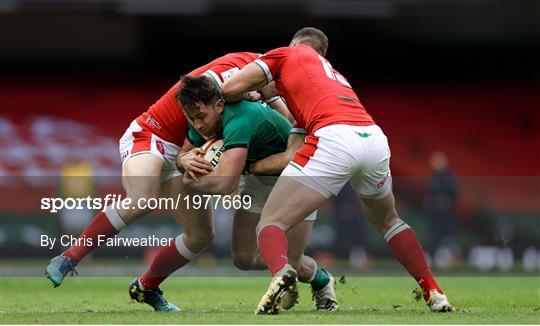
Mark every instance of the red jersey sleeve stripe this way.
pixel 214 76
pixel 265 69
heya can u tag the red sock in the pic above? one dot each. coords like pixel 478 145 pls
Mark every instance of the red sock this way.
pixel 88 240
pixel 405 247
pixel 166 262
pixel 273 247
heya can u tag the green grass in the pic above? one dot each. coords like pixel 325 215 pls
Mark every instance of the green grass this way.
pixel 231 300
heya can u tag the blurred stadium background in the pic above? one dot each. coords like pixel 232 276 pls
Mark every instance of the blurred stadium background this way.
pixel 454 84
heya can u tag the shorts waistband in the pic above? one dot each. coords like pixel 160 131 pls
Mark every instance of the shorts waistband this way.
pixel 342 128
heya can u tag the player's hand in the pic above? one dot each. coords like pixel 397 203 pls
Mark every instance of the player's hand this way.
pixel 193 164
pixel 253 96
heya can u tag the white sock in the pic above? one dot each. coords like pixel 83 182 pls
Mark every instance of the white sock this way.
pixel 398 227
pixel 183 249
pixel 114 218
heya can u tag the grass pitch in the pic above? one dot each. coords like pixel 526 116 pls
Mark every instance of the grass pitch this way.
pixel 232 300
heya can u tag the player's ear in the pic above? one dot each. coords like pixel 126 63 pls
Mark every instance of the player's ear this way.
pixel 220 105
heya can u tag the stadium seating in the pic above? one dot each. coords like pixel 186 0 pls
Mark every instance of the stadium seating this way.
pixel 487 131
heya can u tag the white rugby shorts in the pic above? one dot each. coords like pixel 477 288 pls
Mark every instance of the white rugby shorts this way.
pixel 259 187
pixel 137 140
pixel 336 154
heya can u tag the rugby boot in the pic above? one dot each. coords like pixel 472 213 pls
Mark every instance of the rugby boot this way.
pixel 271 301
pixel 438 302
pixel 153 298
pixel 290 298
pixel 325 298
pixel 58 268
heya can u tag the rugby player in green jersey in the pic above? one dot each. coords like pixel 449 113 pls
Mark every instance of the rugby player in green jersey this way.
pixel 251 131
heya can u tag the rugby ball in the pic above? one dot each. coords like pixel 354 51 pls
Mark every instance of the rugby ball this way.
pixel 212 151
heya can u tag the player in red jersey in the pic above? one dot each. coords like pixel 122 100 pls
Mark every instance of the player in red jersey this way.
pixel 343 144
pixel 148 150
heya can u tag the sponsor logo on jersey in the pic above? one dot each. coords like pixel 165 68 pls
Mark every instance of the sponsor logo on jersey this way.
pixel 152 122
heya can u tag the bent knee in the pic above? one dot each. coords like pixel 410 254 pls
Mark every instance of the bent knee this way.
pixel 197 242
pixel 133 214
pixel 206 239
pixel 243 262
pixel 141 204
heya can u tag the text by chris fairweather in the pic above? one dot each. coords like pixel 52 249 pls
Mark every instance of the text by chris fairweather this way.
pixel 102 240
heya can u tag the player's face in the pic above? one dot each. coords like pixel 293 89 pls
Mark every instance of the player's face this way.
pixel 206 119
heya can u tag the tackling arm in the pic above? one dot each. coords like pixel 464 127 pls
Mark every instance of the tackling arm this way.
pixel 249 78
pixel 275 101
pixel 225 179
pixel 269 90
pixel 274 164
pixel 280 106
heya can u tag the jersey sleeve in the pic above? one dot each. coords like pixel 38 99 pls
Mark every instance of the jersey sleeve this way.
pixel 237 132
pixel 195 138
pixel 271 62
pixel 220 73
pixel 297 128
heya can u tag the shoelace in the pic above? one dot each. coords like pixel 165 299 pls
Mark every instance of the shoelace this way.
pixel 68 267
pixel 156 296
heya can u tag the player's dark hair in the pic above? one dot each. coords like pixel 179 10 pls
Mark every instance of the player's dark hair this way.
pixel 197 89
pixel 312 37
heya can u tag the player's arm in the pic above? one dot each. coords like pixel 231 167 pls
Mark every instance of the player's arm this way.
pixel 275 101
pixel 217 74
pixel 279 105
pixel 274 164
pixel 249 78
pixel 225 179
pixel 269 90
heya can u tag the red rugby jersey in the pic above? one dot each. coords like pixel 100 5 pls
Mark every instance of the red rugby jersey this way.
pixel 316 94
pixel 165 118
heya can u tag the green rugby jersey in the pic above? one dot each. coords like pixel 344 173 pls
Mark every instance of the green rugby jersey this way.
pixel 253 125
